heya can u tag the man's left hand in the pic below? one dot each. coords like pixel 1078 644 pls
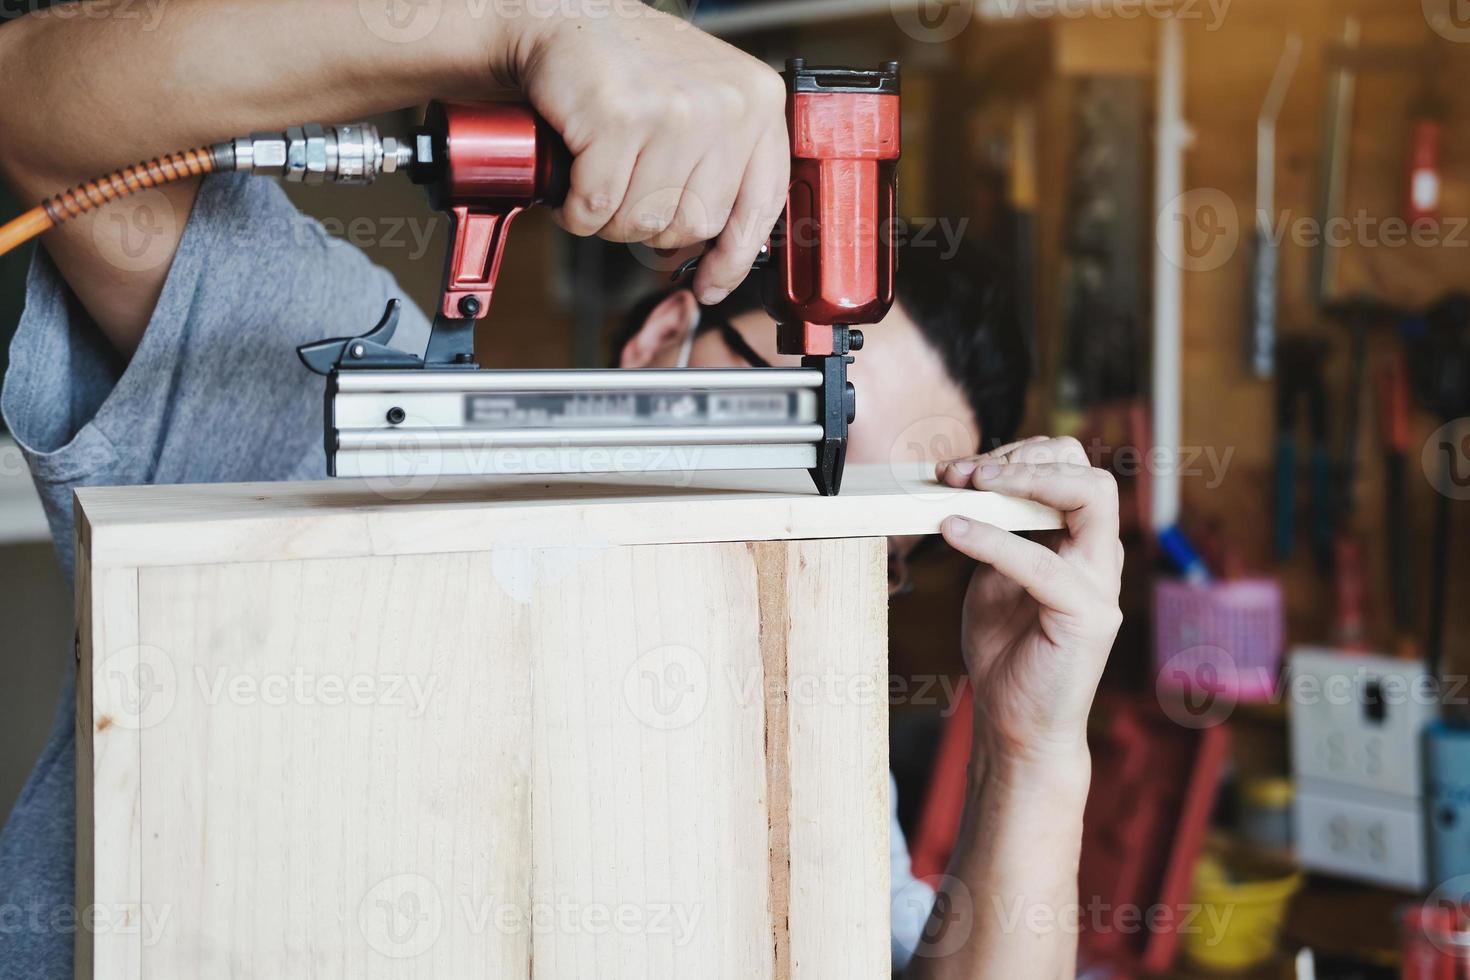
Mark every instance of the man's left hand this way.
pixel 1041 615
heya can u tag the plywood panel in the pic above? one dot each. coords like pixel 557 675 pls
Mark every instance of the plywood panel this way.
pixel 649 786
pixel 337 785
pixel 837 684
pixel 550 762
pixel 141 526
pixel 114 699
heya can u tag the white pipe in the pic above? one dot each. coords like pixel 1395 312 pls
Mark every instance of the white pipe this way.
pixel 1170 140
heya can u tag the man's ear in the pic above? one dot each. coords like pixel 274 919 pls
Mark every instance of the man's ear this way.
pixel 665 330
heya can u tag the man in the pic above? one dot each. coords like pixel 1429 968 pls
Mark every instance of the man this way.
pixel 948 363
pixel 177 366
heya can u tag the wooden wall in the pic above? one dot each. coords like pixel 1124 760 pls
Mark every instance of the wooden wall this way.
pixel 1228 72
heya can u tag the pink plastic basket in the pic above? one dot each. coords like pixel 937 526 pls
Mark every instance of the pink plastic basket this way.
pixel 1224 638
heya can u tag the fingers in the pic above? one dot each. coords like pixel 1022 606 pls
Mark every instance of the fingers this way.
pixel 1044 575
pixel 1054 472
pixel 1036 449
pixel 599 183
pixel 654 191
pixel 705 204
pixel 761 199
pixel 1086 496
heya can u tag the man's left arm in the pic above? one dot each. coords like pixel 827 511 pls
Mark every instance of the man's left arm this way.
pixel 1039 621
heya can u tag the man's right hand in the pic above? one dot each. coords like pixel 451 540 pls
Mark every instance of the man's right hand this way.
pixel 679 138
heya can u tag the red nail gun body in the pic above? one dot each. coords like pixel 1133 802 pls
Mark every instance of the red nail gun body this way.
pixel 829 268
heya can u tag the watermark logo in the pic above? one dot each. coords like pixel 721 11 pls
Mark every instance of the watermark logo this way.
pixel 227 685
pixel 137 234
pixel 667 687
pixel 1450 19
pixel 401 916
pixel 147 13
pixel 133 688
pixel 933 21
pixel 400 21
pixel 1442 914
pixel 1446 459
pixel 952 920
pixel 918 449
pixel 1198 687
pixel 1199 230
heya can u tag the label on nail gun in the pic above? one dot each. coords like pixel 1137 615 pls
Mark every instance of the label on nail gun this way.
pixel 602 408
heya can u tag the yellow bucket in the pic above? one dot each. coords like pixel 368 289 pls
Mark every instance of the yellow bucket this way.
pixel 1242 904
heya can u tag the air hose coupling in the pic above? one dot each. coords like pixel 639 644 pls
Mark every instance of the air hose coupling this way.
pixel 315 154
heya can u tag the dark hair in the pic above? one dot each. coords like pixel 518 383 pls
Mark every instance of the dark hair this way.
pixel 960 300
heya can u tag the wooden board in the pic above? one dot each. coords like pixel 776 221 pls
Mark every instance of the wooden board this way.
pixel 142 526
pixel 312 743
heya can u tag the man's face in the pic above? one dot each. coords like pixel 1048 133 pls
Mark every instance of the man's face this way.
pixel 909 409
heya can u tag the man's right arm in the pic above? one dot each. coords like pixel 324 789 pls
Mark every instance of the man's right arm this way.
pixel 678 137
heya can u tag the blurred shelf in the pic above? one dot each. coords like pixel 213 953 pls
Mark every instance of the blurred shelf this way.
pixel 795 13
pixel 790 13
pixel 22 519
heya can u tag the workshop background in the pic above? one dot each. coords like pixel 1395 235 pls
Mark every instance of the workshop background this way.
pixel 1306 402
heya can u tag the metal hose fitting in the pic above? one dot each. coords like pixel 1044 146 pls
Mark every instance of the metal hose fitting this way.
pixel 314 154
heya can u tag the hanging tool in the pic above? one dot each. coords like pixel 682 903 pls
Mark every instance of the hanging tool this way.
pixel 1426 137
pixel 1393 418
pixel 1299 380
pixel 1261 332
pixel 1360 315
pixel 1342 90
pixel 828 269
pixel 1440 371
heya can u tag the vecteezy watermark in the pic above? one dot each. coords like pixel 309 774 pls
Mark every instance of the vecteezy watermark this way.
pixel 944 907
pixel 146 921
pixel 1201 687
pixel 938 21
pixel 944 234
pixel 1209 230
pixel 1099 917
pixel 405 915
pixel 147 13
pixel 1211 12
pixel 670 686
pixel 300 686
pixel 12 462
pixel 407 21
pixel 137 687
pixel 1444 913
pixel 414 460
pixel 1450 19
pixel 667 687
pixel 401 916
pixel 138 233
pixel 1198 688
pixel 1446 459
pixel 133 688
pixel 1208 463
pixel 921 445
pixel 564 916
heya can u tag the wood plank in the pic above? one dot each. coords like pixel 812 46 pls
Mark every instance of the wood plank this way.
pixel 837 684
pixel 529 755
pixel 649 815
pixel 148 526
pixel 116 697
pixel 339 785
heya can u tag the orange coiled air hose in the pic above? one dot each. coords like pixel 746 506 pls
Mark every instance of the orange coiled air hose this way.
pixel 95 193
